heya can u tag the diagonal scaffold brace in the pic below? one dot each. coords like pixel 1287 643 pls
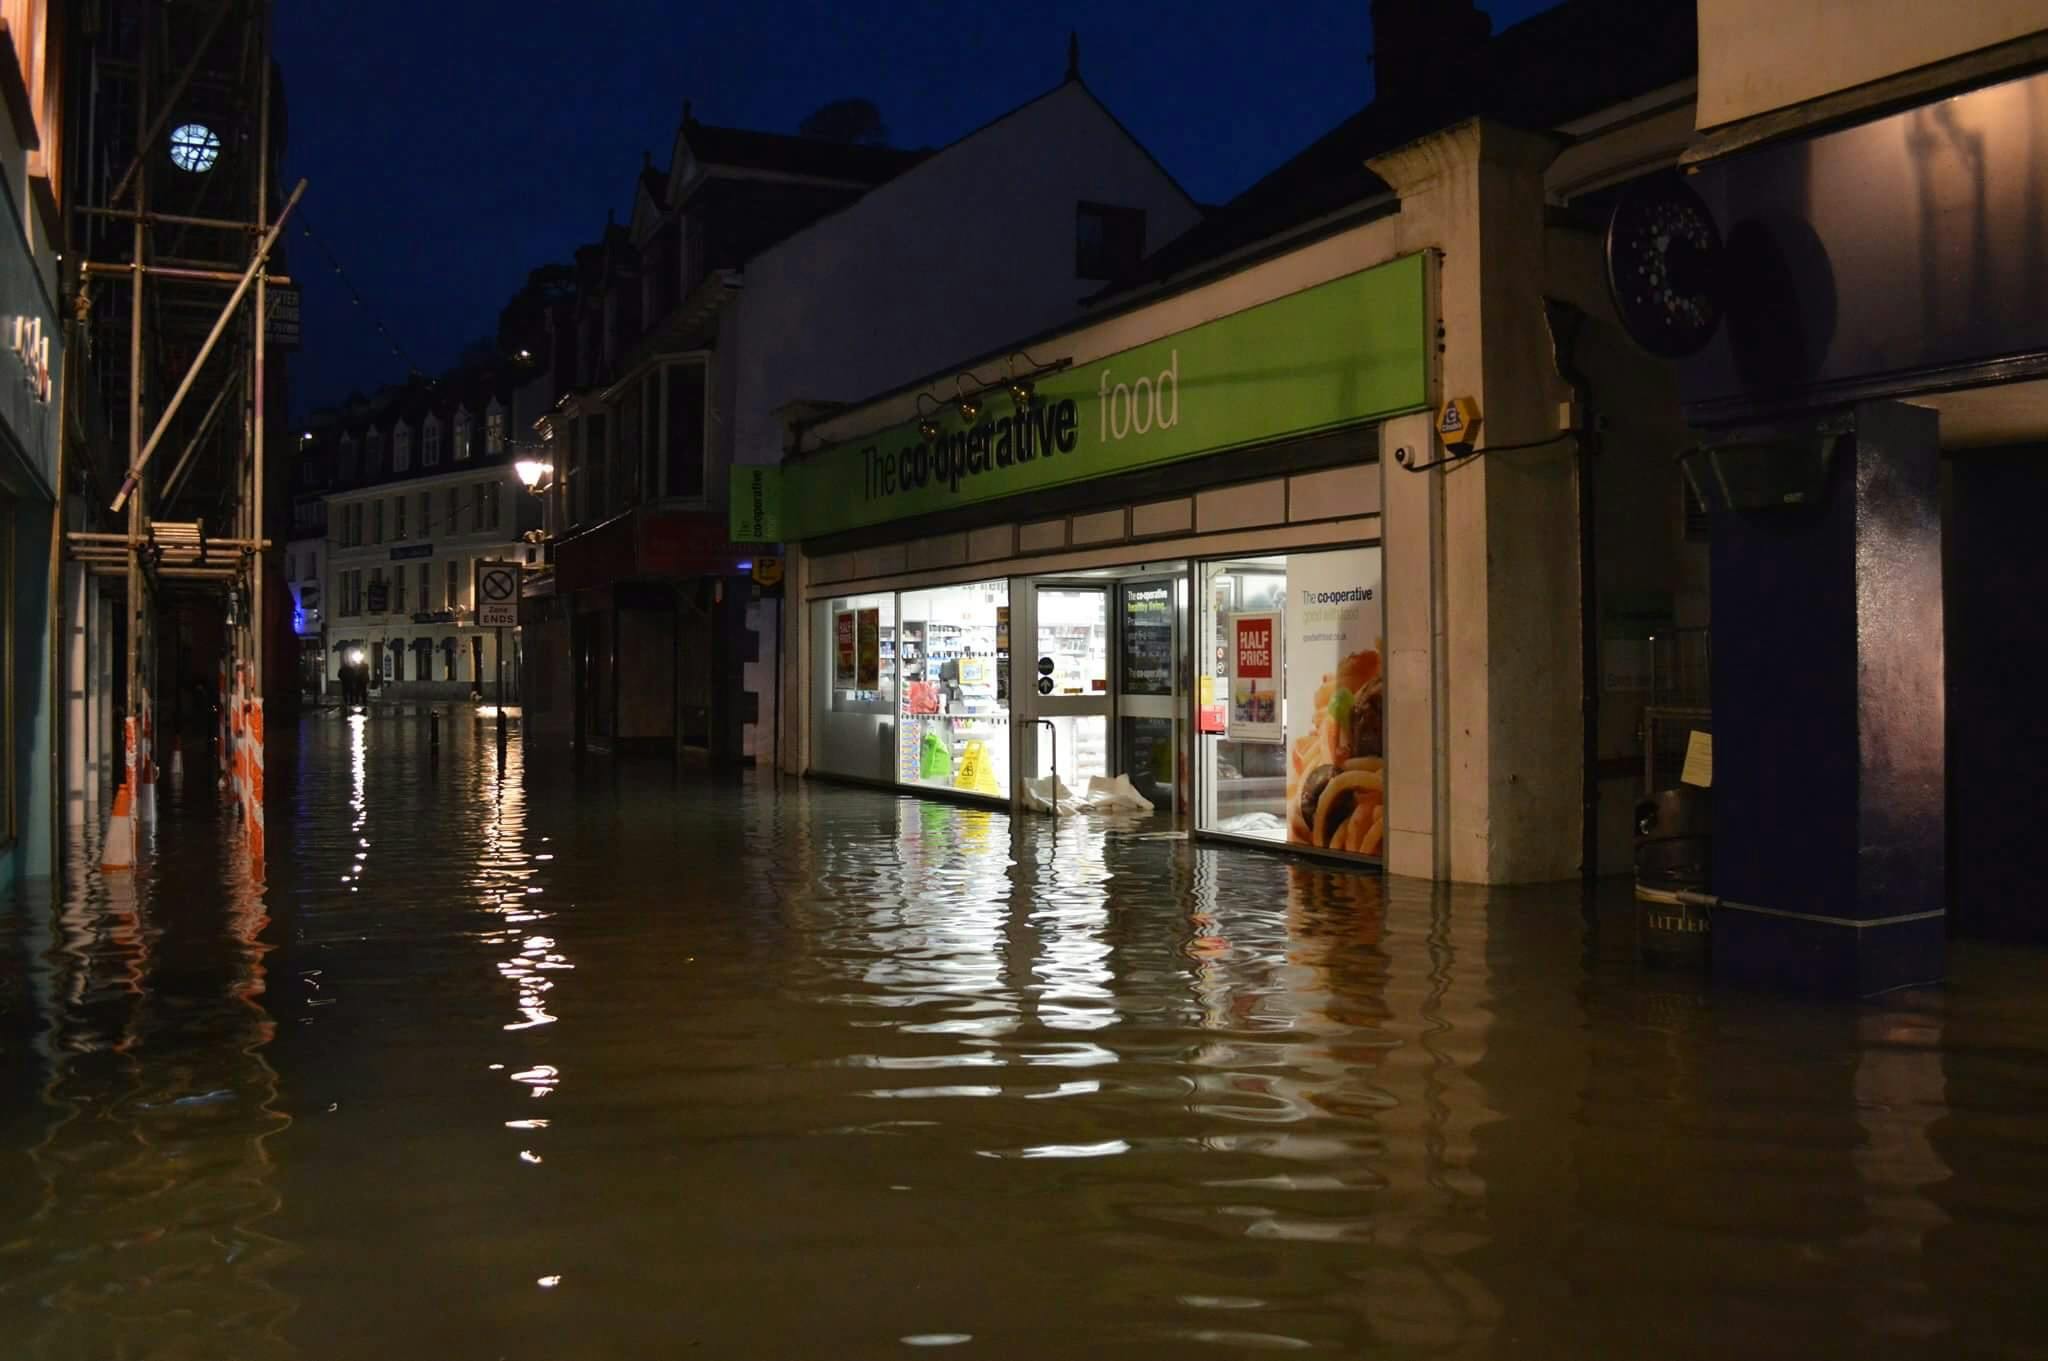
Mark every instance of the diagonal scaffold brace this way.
pixel 220 325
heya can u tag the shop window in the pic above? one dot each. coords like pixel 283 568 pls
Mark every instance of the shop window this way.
pixel 1108 241
pixel 1292 714
pixel 951 645
pixel 854 706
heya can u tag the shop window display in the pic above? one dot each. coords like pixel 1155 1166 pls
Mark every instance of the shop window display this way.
pixel 853 729
pixel 953 653
pixel 1292 700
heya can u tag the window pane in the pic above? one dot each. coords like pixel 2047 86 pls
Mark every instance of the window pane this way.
pixel 1293 746
pixel 686 430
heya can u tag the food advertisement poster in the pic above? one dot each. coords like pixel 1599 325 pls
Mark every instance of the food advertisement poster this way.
pixel 1254 643
pixel 842 649
pixel 868 652
pixel 1336 702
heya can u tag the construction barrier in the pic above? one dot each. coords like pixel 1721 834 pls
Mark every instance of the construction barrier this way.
pixel 117 851
pixel 253 812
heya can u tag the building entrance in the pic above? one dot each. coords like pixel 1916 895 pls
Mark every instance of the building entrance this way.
pixel 1106 692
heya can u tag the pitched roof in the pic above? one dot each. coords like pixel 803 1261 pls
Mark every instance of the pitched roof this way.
pixel 1562 64
pixel 788 154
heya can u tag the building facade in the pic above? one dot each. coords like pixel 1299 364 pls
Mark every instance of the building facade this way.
pixel 31 333
pixel 423 490
pixel 800 281
pixel 1871 425
pixel 1216 541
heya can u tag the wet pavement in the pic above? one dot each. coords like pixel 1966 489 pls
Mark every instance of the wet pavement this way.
pixel 612 1063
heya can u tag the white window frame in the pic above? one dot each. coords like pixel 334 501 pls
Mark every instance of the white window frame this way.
pixel 401 447
pixel 494 428
pixel 430 442
pixel 462 435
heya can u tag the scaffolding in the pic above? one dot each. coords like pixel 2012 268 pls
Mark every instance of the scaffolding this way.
pixel 172 270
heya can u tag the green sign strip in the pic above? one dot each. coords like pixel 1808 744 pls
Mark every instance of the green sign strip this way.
pixel 1354 349
pixel 756 509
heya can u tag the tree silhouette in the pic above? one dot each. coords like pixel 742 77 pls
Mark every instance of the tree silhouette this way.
pixel 856 122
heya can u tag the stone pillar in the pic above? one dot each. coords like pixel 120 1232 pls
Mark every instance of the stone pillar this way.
pixel 1829 744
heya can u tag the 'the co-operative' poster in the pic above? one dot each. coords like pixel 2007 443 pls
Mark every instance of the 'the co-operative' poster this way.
pixel 1336 701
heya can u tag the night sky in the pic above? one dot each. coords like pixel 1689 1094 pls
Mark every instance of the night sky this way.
pixel 451 148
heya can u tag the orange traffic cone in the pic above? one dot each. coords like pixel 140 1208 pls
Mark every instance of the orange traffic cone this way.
pixel 118 850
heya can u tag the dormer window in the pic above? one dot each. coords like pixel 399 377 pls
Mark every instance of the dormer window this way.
pixel 494 428
pixel 373 454
pixel 401 447
pixel 430 443
pixel 462 449
pixel 348 459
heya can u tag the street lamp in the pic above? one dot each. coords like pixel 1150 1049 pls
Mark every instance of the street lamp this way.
pixel 535 474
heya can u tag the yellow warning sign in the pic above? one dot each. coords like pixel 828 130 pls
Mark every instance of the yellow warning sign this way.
pixel 974 774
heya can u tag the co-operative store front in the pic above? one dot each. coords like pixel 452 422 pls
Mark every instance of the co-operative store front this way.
pixel 1152 582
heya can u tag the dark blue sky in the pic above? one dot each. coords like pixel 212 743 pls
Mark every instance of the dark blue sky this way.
pixel 453 144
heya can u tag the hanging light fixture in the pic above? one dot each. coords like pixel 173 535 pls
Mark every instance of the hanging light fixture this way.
pixel 1022 393
pixel 927 426
pixel 969 407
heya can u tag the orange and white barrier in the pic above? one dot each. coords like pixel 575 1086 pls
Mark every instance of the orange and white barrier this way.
pixel 253 806
pixel 117 852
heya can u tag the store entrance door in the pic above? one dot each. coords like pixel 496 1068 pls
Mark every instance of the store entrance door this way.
pixel 1151 698
pixel 1071 682
pixel 1105 687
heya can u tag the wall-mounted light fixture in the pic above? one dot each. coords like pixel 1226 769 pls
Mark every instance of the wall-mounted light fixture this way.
pixel 927 427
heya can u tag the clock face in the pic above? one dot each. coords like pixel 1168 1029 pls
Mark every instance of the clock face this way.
pixel 1663 258
pixel 194 147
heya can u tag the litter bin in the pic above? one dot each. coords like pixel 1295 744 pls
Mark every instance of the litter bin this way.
pixel 1674 846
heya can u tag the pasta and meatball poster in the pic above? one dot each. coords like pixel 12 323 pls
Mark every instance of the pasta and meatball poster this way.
pixel 1336 702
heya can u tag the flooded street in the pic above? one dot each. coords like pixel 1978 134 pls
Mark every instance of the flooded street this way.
pixel 613 1063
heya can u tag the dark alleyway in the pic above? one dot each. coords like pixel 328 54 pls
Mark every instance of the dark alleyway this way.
pixel 609 1064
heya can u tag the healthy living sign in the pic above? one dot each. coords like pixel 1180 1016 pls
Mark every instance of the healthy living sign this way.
pixel 1353 349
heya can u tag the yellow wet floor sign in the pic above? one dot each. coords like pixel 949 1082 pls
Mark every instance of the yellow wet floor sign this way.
pixel 974 773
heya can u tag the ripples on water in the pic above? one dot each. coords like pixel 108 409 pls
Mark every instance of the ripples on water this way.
pixel 596 1064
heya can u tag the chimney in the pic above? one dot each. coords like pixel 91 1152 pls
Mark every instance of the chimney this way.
pixel 1418 44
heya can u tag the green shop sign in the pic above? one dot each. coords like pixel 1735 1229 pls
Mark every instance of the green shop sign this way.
pixel 756 511
pixel 1351 350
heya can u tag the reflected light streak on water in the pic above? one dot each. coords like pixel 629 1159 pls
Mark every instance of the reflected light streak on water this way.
pixel 855 1074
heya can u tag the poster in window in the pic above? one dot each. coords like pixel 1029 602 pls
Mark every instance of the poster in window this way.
pixel 1148 638
pixel 1254 643
pixel 842 649
pixel 1336 702
pixel 868 658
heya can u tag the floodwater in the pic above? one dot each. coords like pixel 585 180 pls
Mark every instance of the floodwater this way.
pixel 614 1063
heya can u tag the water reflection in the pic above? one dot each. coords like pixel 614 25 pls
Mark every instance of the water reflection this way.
pixel 150 1139
pixel 612 1060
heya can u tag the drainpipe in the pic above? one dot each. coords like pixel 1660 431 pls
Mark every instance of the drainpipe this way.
pixel 1566 322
